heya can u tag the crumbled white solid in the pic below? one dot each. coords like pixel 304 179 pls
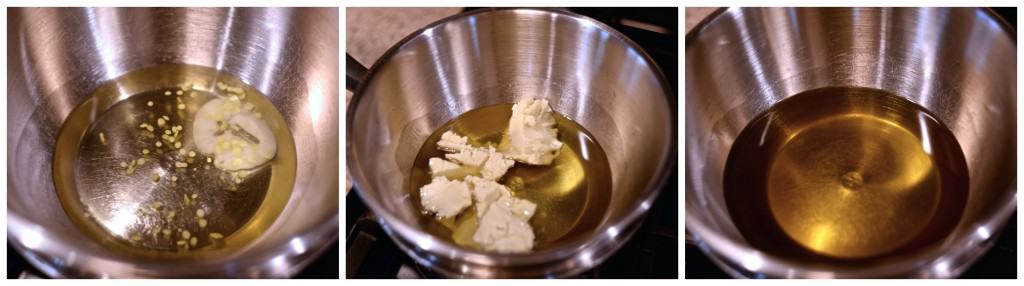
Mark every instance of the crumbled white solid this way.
pixel 470 174
pixel 451 170
pixel 503 232
pixel 486 192
pixel 473 157
pixel 496 165
pixel 532 137
pixel 445 198
pixel 483 162
pixel 451 142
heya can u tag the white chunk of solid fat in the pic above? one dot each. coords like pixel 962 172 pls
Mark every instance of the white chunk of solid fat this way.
pixel 248 154
pixel 482 162
pixel 532 137
pixel 496 166
pixel 473 157
pixel 487 193
pixel 448 169
pixel 452 142
pixel 503 232
pixel 445 198
pixel 521 208
pixel 214 132
pixel 205 124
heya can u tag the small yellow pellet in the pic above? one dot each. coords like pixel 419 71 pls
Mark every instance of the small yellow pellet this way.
pixel 158 144
pixel 145 151
pixel 103 139
pixel 200 213
pixel 181 106
pixel 216 235
pixel 149 103
pixel 186 234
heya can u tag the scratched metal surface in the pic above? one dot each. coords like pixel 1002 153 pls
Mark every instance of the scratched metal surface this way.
pixel 959 63
pixel 58 56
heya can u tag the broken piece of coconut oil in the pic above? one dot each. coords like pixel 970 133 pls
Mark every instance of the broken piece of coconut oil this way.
pixel 571 192
pixel 137 169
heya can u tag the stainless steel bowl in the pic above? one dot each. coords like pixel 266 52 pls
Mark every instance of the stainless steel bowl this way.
pixel 57 57
pixel 587 71
pixel 959 63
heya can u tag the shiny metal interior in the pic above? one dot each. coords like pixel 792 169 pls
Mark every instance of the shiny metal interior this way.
pixel 959 63
pixel 59 56
pixel 587 71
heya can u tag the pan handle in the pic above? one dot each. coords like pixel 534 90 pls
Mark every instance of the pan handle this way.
pixel 354 73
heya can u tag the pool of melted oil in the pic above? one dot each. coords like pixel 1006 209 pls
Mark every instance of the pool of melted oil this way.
pixel 158 207
pixel 845 174
pixel 571 194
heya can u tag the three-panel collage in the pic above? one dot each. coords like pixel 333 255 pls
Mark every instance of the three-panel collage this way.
pixel 484 140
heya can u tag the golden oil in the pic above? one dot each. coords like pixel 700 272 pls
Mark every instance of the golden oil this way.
pixel 571 194
pixel 845 174
pixel 173 203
